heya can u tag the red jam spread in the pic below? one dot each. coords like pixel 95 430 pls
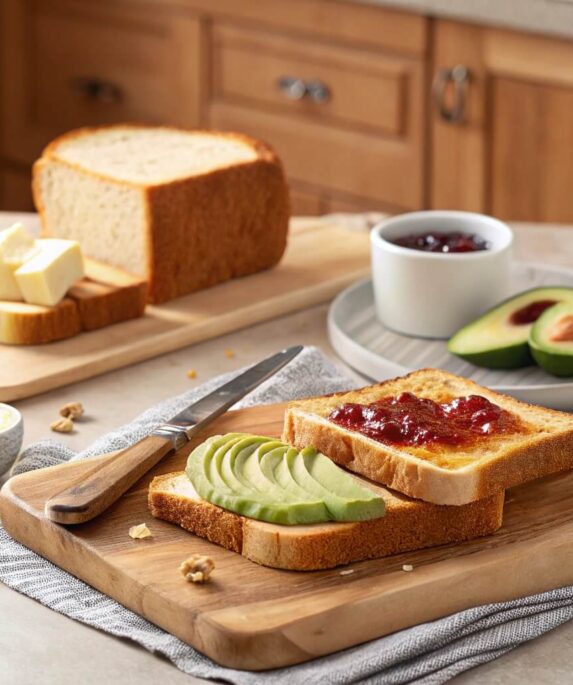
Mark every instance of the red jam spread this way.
pixel 531 312
pixel 410 420
pixel 436 241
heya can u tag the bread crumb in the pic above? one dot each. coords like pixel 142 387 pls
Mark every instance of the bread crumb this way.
pixel 191 373
pixel 140 531
pixel 197 568
pixel 229 353
pixel 72 410
pixel 63 425
pixel 407 567
pixel 347 572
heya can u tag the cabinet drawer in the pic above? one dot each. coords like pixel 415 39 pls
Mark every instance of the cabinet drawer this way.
pixel 341 85
pixel 74 64
pixel 342 160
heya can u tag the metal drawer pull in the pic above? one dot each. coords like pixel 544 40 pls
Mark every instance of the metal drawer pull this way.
pixel 459 76
pixel 96 90
pixel 297 89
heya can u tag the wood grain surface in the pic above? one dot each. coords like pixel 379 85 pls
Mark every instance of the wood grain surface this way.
pixel 321 260
pixel 252 617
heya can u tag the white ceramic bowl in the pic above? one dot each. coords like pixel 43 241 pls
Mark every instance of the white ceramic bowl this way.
pixel 433 294
pixel 10 438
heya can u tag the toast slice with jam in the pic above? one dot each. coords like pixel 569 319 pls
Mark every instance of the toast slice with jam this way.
pixel 434 436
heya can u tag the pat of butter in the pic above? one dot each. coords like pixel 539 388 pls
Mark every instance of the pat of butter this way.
pixel 47 277
pixel 16 247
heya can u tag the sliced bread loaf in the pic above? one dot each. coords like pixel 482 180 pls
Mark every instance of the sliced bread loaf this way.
pixel 407 525
pixel 541 444
pixel 184 209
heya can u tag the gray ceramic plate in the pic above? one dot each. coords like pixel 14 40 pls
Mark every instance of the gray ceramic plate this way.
pixel 379 353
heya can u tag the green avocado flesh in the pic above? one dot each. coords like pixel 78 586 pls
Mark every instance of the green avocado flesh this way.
pixel 266 479
pixel 551 340
pixel 500 338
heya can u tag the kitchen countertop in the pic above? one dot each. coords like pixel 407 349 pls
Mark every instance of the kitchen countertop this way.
pixel 538 16
pixel 40 646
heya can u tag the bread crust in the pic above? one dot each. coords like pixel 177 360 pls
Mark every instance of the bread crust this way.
pixel 26 324
pixel 532 454
pixel 205 229
pixel 407 526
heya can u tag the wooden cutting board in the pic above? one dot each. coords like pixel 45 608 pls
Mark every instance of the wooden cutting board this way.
pixel 251 617
pixel 321 259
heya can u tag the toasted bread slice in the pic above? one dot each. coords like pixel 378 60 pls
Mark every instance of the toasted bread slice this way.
pixel 441 475
pixel 407 525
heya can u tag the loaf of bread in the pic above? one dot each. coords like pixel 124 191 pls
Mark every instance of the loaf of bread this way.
pixel 184 209
pixel 442 474
pixel 407 525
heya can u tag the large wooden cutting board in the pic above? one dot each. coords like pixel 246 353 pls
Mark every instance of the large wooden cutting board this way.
pixel 321 259
pixel 252 617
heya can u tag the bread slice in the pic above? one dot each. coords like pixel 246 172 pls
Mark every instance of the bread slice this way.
pixel 444 475
pixel 407 525
pixel 30 324
pixel 104 297
pixel 107 296
pixel 183 209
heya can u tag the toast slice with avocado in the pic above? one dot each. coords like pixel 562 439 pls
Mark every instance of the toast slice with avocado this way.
pixel 407 525
pixel 531 441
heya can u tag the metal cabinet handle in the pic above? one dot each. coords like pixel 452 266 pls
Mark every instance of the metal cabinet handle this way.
pixel 459 77
pixel 96 90
pixel 297 89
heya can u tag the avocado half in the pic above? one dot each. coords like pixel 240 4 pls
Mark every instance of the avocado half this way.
pixel 551 340
pixel 500 338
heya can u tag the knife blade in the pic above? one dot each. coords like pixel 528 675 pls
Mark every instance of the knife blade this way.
pixel 94 493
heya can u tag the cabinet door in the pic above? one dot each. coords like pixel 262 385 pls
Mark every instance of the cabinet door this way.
pixel 502 144
pixel 67 64
pixel 15 190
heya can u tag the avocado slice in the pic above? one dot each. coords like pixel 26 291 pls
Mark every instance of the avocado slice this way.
pixel 551 340
pixel 268 480
pixel 500 338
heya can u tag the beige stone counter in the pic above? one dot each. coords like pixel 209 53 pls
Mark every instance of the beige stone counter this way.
pixel 538 16
pixel 40 646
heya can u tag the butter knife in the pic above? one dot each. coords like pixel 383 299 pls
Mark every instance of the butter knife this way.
pixel 101 487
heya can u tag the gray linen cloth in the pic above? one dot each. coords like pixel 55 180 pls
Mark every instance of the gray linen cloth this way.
pixel 430 653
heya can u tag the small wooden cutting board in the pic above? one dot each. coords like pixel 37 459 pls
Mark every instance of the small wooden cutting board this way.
pixel 251 617
pixel 322 258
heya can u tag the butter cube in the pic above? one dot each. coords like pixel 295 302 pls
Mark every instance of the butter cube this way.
pixel 45 278
pixel 16 247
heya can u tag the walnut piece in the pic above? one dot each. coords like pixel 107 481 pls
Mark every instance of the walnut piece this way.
pixel 197 569
pixel 140 531
pixel 72 410
pixel 63 425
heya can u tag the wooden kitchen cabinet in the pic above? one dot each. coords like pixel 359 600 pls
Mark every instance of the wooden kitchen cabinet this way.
pixel 510 153
pixel 71 63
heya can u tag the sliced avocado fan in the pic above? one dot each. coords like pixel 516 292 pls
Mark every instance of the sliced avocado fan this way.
pixel 500 338
pixel 551 340
pixel 266 479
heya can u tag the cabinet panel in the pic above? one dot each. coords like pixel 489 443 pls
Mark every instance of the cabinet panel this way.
pixel 68 64
pixel 531 160
pixel 15 190
pixel 342 160
pixel 340 85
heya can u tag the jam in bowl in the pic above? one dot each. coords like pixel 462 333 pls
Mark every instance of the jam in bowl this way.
pixel 439 241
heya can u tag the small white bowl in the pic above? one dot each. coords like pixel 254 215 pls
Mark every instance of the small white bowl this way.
pixel 433 294
pixel 10 438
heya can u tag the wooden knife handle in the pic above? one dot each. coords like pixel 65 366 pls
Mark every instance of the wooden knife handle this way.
pixel 103 486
